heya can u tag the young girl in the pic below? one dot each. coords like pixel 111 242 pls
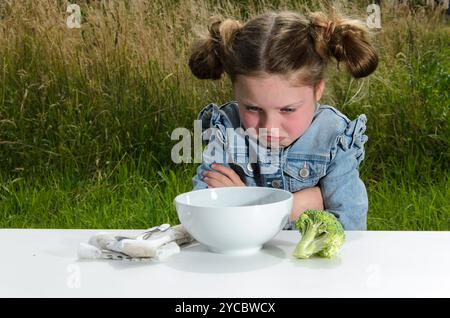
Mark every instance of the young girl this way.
pixel 276 63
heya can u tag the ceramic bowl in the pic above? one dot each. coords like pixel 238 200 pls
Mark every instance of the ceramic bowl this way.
pixel 234 220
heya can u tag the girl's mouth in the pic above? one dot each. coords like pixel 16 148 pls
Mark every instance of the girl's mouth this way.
pixel 278 139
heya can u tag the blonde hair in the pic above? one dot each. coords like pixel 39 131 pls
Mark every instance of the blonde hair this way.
pixel 285 43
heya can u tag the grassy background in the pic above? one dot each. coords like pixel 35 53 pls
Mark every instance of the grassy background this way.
pixel 86 114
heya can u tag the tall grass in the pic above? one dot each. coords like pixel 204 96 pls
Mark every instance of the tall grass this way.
pixel 86 114
pixel 132 196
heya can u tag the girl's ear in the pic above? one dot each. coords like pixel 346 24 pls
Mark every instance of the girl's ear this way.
pixel 318 90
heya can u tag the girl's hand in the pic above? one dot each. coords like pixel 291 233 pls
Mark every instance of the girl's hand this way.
pixel 222 177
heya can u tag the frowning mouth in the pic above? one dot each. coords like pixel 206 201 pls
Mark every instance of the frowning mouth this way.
pixel 269 138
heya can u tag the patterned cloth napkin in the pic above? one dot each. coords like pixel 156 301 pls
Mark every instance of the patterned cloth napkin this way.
pixel 157 243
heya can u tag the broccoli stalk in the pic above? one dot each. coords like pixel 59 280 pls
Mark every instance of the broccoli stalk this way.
pixel 321 232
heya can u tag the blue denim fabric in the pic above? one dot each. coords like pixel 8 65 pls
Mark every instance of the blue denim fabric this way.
pixel 328 154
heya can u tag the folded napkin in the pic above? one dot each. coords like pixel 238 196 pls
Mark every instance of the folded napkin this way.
pixel 157 243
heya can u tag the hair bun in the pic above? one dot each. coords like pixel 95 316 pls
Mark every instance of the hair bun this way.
pixel 204 61
pixel 346 41
pixel 211 49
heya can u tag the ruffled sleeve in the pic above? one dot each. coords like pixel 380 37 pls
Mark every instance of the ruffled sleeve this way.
pixel 344 193
pixel 215 120
pixel 353 138
pixel 213 116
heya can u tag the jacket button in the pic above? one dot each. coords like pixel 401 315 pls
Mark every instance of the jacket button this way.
pixel 249 167
pixel 276 183
pixel 304 172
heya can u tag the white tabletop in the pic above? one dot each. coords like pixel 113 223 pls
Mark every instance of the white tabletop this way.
pixel 43 263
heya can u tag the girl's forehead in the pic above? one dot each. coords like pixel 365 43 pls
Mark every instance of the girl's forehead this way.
pixel 270 90
pixel 264 78
pixel 273 81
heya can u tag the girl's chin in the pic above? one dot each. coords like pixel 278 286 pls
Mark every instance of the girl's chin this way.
pixel 274 144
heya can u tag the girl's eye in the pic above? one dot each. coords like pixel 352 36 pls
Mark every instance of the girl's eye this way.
pixel 252 109
pixel 288 110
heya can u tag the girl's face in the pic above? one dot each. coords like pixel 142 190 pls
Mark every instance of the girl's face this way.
pixel 285 111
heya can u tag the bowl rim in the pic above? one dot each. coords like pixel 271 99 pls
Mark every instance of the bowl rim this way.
pixel 291 197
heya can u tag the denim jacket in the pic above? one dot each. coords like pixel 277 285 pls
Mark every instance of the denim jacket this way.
pixel 327 154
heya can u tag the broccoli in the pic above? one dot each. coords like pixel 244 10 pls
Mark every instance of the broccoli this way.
pixel 322 234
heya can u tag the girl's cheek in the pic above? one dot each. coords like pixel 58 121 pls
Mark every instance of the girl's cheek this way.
pixel 297 126
pixel 250 120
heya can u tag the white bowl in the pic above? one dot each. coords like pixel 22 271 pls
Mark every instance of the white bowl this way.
pixel 234 220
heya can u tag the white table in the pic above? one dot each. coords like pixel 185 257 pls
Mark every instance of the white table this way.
pixel 43 263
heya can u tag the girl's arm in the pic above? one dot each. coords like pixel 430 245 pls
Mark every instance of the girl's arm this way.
pixel 344 193
pixel 310 198
pixel 215 120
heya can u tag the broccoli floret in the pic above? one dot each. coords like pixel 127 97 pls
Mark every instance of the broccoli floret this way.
pixel 322 234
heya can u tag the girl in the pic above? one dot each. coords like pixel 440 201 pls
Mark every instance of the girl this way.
pixel 276 63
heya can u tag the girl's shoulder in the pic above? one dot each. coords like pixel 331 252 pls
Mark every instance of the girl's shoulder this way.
pixel 223 116
pixel 329 118
pixel 330 129
pixel 327 115
pixel 345 128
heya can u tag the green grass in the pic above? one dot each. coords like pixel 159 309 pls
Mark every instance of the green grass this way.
pixel 408 205
pixel 129 197
pixel 122 198
pixel 86 115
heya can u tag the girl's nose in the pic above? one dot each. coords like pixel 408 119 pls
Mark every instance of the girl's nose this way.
pixel 270 127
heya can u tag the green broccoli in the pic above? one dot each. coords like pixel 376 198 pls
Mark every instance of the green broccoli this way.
pixel 322 234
